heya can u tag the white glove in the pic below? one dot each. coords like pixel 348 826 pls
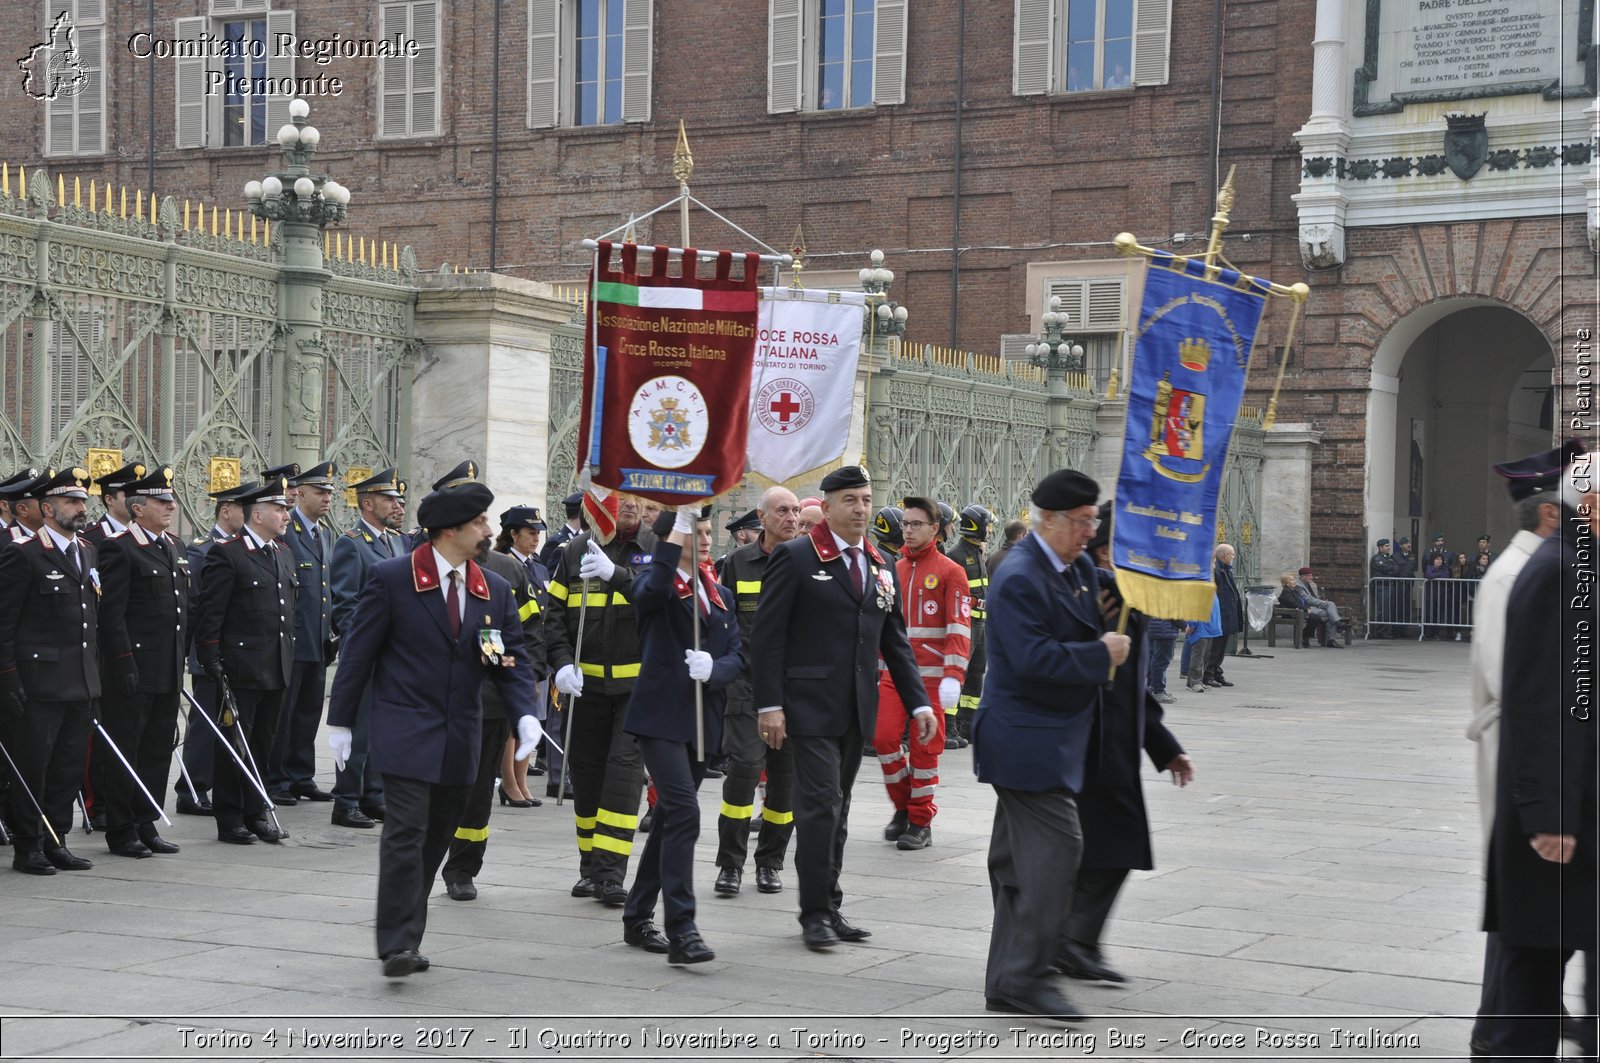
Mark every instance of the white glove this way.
pixel 339 742
pixel 569 681
pixel 683 520
pixel 949 693
pixel 528 734
pixel 595 564
pixel 699 662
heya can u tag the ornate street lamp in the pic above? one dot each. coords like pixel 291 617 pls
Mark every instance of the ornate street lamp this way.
pixel 889 316
pixel 1056 352
pixel 295 194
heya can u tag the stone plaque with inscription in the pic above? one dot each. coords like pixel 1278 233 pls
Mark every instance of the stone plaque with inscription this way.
pixel 1421 51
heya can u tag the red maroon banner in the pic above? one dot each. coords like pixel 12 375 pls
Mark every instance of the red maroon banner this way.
pixel 666 379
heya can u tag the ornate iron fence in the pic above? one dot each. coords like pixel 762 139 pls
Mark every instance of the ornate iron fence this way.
pixel 159 337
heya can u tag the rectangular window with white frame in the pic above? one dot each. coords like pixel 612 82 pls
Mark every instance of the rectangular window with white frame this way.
pixel 68 72
pixel 589 62
pixel 828 55
pixel 1063 46
pixel 222 92
pixel 408 99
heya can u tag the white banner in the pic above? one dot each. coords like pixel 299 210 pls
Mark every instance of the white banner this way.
pixel 804 381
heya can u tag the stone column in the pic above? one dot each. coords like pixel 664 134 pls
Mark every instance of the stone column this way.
pixel 1284 533
pixel 482 389
pixel 1110 422
pixel 305 360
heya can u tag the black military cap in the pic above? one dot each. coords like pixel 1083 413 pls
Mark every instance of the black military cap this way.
pixel 119 480
pixel 1383 542
pixel 285 472
pixel 522 517
pixel 749 522
pixel 158 484
pixel 1404 540
pixel 448 507
pixel 845 478
pixel 465 473
pixel 316 476
pixel 273 492
pixel 17 486
pixel 1439 538
pixel 572 503
pixel 1065 489
pixel 387 482
pixel 1528 476
pixel 68 483
pixel 232 494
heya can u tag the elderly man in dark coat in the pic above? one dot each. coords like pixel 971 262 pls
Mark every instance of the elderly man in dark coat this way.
pixel 1544 864
pixel 1116 831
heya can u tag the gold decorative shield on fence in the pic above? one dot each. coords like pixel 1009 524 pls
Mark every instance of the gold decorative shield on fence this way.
pixel 99 461
pixel 224 474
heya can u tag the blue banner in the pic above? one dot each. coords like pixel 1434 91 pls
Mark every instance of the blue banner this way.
pixel 1192 348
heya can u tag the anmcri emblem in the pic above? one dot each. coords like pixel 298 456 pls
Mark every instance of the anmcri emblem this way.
pixel 667 421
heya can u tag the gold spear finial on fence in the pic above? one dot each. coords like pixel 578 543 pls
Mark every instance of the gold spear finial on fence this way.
pixel 682 157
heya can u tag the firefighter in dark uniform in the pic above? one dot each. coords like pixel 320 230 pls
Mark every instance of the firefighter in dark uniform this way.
pixel 144 632
pixel 244 637
pixel 604 762
pixel 745 530
pixel 199 741
pixel 114 497
pixel 972 531
pixel 49 668
pixel 292 773
pixel 747 754
pixel 381 499
pixel 551 554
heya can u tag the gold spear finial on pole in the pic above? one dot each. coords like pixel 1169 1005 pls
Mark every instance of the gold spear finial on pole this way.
pixel 797 248
pixel 682 157
pixel 1219 222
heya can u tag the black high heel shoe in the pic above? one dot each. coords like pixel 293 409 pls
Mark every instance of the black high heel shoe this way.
pixel 513 802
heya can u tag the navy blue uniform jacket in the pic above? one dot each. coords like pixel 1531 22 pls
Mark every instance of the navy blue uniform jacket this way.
pixel 313 604
pixel 1036 724
pixel 662 703
pixel 426 719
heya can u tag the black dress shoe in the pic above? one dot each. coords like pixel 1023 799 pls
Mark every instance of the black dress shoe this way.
pixel 399 964
pixel 283 799
pixel 584 887
pixel 768 880
pixel 422 962
pixel 550 791
pixel 190 806
pixel 1045 1004
pixel 32 864
pixel 264 830
pixel 1221 682
pixel 352 817
pixel 818 934
pixel 644 935
pixel 374 812
pixel 130 847
pixel 612 894
pixel 462 891
pixel 1478 1050
pixel 690 948
pixel 155 842
pixel 897 826
pixel 727 884
pixel 309 792
pixel 915 838
pixel 847 931
pixel 1084 962
pixel 63 859
pixel 236 835
pixel 1000 1004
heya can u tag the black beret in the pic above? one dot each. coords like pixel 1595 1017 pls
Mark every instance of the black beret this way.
pixel 1526 477
pixel 749 522
pixel 452 506
pixel 1065 489
pixel 522 517
pixel 845 478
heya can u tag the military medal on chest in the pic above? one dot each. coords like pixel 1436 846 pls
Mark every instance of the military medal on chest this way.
pixel 493 647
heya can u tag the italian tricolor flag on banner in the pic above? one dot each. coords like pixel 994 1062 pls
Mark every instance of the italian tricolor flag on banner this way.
pixel 666 377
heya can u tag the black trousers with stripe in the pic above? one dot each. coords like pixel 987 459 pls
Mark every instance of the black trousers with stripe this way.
pixel 748 755
pixel 471 839
pixel 607 785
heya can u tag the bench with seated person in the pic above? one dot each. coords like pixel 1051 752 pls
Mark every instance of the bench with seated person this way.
pixel 1313 616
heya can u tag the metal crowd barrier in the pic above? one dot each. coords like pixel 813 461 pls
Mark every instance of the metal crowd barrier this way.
pixel 1416 608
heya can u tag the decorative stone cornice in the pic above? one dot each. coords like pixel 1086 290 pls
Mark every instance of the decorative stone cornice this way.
pixel 1396 167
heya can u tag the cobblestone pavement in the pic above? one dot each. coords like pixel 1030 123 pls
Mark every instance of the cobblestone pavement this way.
pixel 1321 874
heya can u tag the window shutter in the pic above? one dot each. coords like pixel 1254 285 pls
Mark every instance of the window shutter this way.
pixel 394 99
pixel 544 63
pixel 636 60
pixel 280 64
pixel 189 88
pixel 889 52
pixel 425 69
pixel 1104 311
pixel 1071 292
pixel 91 102
pixel 75 125
pixel 784 34
pixel 1034 61
pixel 88 11
pixel 1151 29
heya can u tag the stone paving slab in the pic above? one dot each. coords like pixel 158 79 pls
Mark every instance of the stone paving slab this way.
pixel 1322 870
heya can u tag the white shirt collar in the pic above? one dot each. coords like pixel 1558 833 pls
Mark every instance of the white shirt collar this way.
pixel 522 559
pixel 375 531
pixel 116 526
pixel 61 543
pixel 250 533
pixel 303 519
pixel 843 546
pixel 445 568
pixel 1051 555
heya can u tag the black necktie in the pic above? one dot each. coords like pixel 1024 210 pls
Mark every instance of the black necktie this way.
pixel 72 559
pixel 858 578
